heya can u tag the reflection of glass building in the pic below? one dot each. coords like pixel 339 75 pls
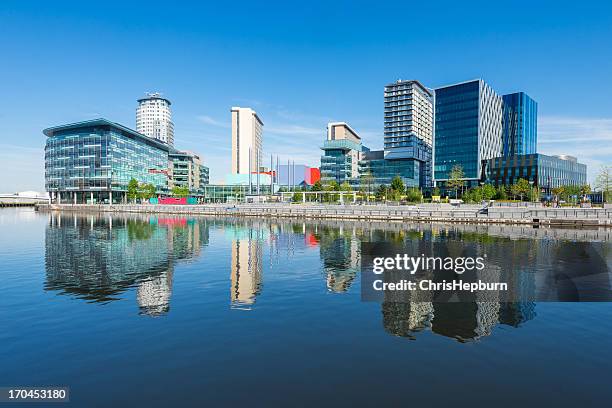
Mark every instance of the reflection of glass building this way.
pixel 468 129
pixel 520 124
pixel 97 258
pixel 246 268
pixel 341 261
pixel 89 161
pixel 544 171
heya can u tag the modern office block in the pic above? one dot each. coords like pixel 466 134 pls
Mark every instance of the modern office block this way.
pixel 546 172
pixel 187 170
pixel 94 160
pixel 342 151
pixel 383 171
pixel 520 124
pixel 247 141
pixel 468 129
pixel 154 118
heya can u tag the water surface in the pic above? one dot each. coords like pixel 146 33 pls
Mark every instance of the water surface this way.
pixel 153 310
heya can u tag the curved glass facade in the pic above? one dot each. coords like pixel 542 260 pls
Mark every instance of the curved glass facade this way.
pixel 520 124
pixel 101 156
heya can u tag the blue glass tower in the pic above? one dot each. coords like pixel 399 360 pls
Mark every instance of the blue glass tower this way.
pixel 468 119
pixel 520 124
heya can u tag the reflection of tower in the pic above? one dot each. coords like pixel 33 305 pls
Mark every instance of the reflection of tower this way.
pixel 341 260
pixel 246 270
pixel 153 294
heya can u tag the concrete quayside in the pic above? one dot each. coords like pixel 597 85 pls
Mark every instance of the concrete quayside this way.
pixel 538 215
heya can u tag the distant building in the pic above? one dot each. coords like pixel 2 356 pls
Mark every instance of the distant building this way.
pixel 297 175
pixel 520 124
pixel 468 129
pixel 342 151
pixel 247 140
pixel 187 170
pixel 545 172
pixel 154 118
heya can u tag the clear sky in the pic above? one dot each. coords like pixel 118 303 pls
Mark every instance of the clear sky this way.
pixel 299 65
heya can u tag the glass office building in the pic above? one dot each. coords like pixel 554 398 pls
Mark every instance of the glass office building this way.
pixel 520 124
pixel 93 162
pixel 468 129
pixel 384 170
pixel 546 172
pixel 340 160
pixel 187 170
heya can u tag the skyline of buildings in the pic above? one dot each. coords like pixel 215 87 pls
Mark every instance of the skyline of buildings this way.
pixel 426 134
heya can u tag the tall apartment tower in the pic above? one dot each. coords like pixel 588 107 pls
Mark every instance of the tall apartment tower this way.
pixel 247 141
pixel 408 132
pixel 408 113
pixel 520 124
pixel 154 118
pixel 468 129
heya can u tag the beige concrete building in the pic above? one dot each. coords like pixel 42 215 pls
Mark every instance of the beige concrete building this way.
pixel 247 140
pixel 342 131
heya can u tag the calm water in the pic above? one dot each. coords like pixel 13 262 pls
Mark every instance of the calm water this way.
pixel 139 310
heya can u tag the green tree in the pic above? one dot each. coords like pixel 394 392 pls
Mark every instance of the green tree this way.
pixel 501 193
pixel 571 193
pixel 345 186
pixel 317 186
pixel 366 182
pixel 132 189
pixel 585 190
pixel 455 178
pixel 331 186
pixel 398 188
pixel 146 191
pixel 435 191
pixel 488 192
pixel 414 195
pixel 381 192
pixel 179 191
pixel 603 182
pixel 558 192
pixel 520 188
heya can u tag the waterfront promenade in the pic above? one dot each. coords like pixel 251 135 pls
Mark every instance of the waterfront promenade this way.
pixel 578 217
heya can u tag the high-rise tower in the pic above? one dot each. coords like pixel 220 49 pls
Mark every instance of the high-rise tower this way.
pixel 468 129
pixel 154 118
pixel 247 141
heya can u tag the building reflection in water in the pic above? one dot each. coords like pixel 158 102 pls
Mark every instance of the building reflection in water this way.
pixel 246 266
pixel 98 257
pixel 340 255
pixel 407 313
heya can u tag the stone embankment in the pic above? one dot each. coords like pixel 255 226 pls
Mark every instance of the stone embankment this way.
pixel 534 214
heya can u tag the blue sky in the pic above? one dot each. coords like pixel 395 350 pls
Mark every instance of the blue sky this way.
pixel 300 65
